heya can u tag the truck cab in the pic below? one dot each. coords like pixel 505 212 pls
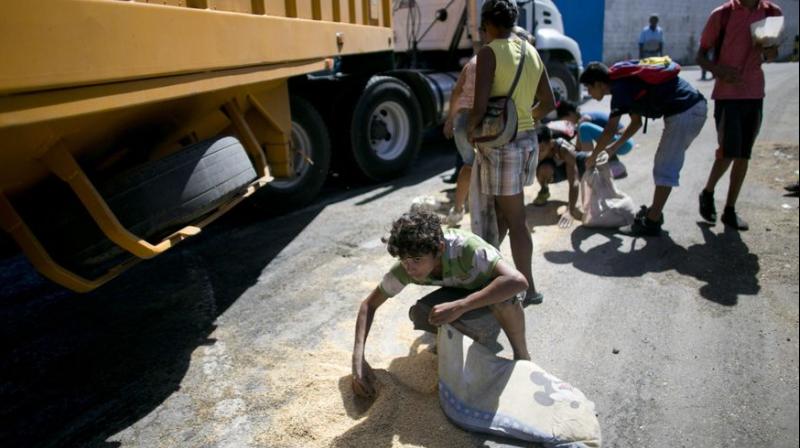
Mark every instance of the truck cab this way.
pixel 561 54
pixel 434 34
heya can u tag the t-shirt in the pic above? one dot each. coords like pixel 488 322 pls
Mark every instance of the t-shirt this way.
pixel 507 53
pixel 467 98
pixel 737 50
pixel 634 96
pixel 468 262
pixel 651 40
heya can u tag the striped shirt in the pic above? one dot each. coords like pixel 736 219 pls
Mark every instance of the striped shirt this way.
pixel 468 262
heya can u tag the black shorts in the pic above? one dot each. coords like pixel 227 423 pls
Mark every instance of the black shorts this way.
pixel 738 124
pixel 420 311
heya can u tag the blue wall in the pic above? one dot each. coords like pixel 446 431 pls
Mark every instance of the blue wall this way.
pixel 584 22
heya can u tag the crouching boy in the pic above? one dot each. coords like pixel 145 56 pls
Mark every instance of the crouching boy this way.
pixel 684 110
pixel 475 280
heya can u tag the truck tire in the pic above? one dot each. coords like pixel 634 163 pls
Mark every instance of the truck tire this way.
pixel 386 128
pixel 562 81
pixel 151 201
pixel 310 136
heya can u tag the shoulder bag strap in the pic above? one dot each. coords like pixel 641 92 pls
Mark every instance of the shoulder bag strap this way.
pixel 524 50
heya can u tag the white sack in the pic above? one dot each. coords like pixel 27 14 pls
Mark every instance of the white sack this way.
pixel 603 204
pixel 482 392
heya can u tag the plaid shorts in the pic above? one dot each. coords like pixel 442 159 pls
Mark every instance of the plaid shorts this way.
pixel 505 171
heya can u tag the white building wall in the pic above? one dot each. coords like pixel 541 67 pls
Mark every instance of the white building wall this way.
pixel 682 21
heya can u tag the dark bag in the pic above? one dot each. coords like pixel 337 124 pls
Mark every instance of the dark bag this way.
pixel 499 125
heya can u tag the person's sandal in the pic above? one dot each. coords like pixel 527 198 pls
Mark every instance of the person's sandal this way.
pixel 542 197
pixel 533 299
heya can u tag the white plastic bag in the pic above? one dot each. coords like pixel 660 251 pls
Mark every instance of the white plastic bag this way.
pixel 603 204
pixel 481 392
pixel 424 204
pixel 767 32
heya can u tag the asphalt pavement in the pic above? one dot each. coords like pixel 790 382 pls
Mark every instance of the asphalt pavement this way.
pixel 688 340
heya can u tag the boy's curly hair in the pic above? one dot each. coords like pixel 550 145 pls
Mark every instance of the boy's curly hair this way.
pixel 415 234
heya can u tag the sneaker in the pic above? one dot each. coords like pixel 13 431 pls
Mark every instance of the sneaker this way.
pixel 643 226
pixel 707 209
pixel 542 197
pixel 643 214
pixel 793 188
pixel 454 217
pixel 731 219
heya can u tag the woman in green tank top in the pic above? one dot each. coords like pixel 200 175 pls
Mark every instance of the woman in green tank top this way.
pixel 505 171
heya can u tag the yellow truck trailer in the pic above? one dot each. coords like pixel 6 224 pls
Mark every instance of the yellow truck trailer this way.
pixel 128 125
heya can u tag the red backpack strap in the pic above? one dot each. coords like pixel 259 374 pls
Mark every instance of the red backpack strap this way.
pixel 724 20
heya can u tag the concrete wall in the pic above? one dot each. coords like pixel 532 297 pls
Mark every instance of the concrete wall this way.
pixel 682 21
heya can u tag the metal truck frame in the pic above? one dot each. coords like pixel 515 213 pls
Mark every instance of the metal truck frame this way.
pixel 102 97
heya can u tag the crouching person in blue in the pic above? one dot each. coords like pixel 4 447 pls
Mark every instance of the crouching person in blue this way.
pixel 474 280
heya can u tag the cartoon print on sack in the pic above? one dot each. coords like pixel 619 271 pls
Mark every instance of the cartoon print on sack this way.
pixel 553 391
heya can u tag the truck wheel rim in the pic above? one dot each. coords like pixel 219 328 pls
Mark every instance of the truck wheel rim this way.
pixel 559 88
pixel 389 130
pixel 301 152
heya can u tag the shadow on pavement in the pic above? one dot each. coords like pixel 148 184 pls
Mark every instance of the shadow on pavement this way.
pixel 723 262
pixel 77 369
pixel 545 215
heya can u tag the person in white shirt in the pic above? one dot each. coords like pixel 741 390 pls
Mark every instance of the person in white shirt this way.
pixel 651 39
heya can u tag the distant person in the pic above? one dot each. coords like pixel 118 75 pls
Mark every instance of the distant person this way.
pixel 506 170
pixel 651 39
pixel 475 281
pixel 738 94
pixel 684 110
pixel 704 72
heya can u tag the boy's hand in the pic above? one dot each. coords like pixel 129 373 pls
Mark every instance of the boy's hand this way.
pixel 448 128
pixel 770 53
pixel 364 380
pixel 568 217
pixel 591 161
pixel 445 313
